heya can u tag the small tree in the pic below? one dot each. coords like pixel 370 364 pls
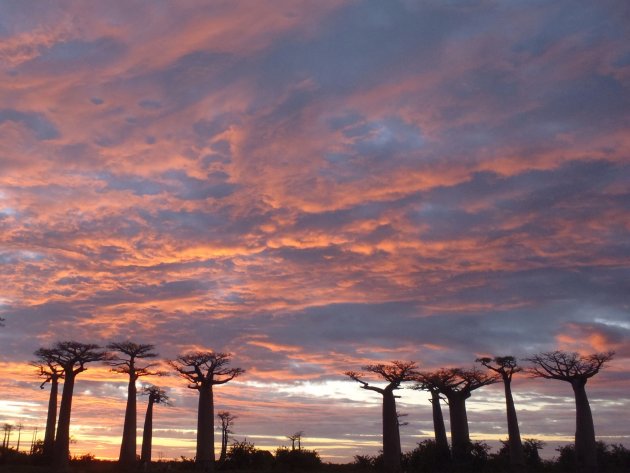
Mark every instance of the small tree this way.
pixel 72 357
pixel 156 395
pixel 127 363
pixel 505 367
pixel 296 437
pixel 395 374
pixel 576 370
pixel 51 372
pixel 457 385
pixel 204 370
pixel 227 421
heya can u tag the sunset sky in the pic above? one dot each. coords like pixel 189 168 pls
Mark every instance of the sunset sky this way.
pixel 313 185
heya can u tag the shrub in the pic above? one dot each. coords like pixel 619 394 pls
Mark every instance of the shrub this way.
pixel 301 459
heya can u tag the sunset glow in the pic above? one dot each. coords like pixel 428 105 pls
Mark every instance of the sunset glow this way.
pixel 313 186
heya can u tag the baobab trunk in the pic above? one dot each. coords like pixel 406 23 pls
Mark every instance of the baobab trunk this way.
pixel 441 442
pixel 147 434
pixel 128 446
pixel 61 451
pixel 460 436
pixel 51 419
pixel 517 458
pixel 205 431
pixel 391 434
pixel 585 445
pixel 224 442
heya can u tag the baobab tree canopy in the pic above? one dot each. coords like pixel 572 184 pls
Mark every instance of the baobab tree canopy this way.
pixel 205 368
pixel 565 366
pixel 394 373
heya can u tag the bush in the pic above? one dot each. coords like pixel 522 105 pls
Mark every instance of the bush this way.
pixel 244 455
pixel 301 459
pixel 426 457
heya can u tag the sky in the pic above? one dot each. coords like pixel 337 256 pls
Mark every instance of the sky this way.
pixel 312 186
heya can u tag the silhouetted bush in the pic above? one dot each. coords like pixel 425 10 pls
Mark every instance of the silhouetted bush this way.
pixel 426 457
pixel 610 458
pixel 245 456
pixel 364 462
pixel 297 459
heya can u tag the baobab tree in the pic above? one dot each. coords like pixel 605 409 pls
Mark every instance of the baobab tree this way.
pixel 456 385
pixel 204 370
pixel 72 357
pixel 51 372
pixel 296 437
pixel 227 421
pixel 7 435
pixel 127 363
pixel 156 395
pixel 505 367
pixel 426 382
pixel 575 369
pixel 395 374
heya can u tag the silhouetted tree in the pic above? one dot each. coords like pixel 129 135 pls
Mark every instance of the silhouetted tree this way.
pixel 394 373
pixel 426 383
pixel 156 395
pixel 7 435
pixel 72 357
pixel 227 420
pixel 576 370
pixel 296 437
pixel 51 372
pixel 506 366
pixel 457 385
pixel 127 363
pixel 204 370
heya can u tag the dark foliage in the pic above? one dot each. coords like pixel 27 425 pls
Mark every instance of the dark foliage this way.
pixel 614 458
pixel 245 456
pixel 297 460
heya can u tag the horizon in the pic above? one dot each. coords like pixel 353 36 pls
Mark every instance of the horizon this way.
pixel 315 186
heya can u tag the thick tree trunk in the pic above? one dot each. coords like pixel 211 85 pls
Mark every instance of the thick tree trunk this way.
pixel 441 441
pixel 391 434
pixel 61 451
pixel 224 442
pixel 517 458
pixel 585 445
pixel 51 419
pixel 128 445
pixel 460 437
pixel 205 430
pixel 147 435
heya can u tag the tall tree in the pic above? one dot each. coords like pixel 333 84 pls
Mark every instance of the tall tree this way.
pixel 156 395
pixel 575 369
pixel 51 372
pixel 505 367
pixel 394 374
pixel 426 383
pixel 7 435
pixel 227 421
pixel 456 385
pixel 126 362
pixel 72 357
pixel 204 370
